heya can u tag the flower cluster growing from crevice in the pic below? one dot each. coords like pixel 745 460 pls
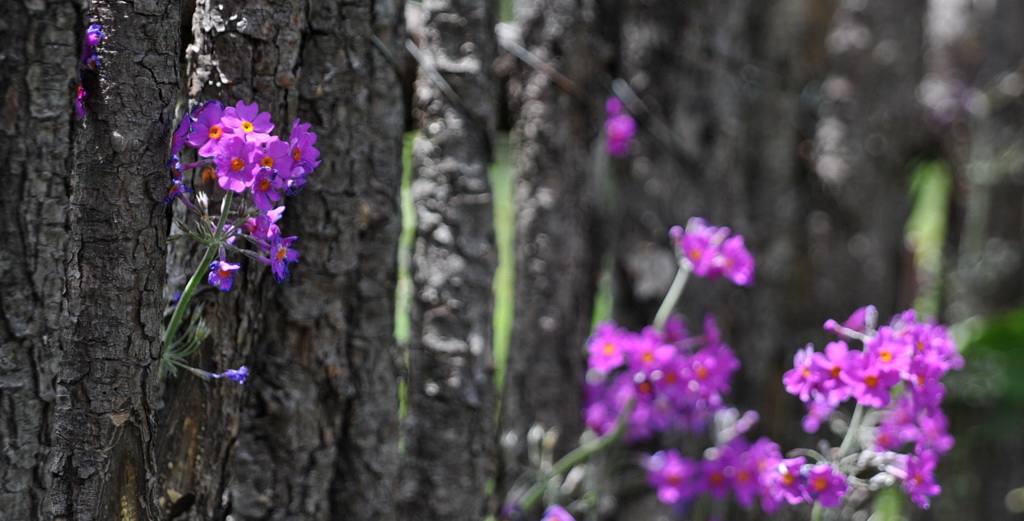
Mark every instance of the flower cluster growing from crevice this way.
pixel 236 148
pixel 234 153
pixel 90 61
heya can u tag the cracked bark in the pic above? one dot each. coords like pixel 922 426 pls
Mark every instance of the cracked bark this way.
pixel 449 432
pixel 37 71
pixel 106 385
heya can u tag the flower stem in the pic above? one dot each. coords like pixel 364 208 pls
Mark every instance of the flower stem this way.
pixel 193 283
pixel 186 295
pixel 855 421
pixel 672 297
pixel 577 456
pixel 817 512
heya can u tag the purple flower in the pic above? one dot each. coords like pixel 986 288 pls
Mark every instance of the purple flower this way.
pixel 266 188
pixel 802 378
pixel 786 479
pixel 674 477
pixel 80 101
pixel 280 256
pixel 919 482
pixel 207 128
pixel 177 190
pixel 830 366
pixel 557 513
pixel 619 128
pixel 275 154
pixel 607 348
pixel 826 485
pixel 222 274
pixel 248 122
pixel 870 381
pixel 713 253
pixel 236 375
pixel 93 35
pixel 262 227
pixel 234 164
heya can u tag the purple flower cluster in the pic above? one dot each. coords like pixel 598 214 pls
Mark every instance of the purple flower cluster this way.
pixel 237 150
pixel 751 472
pixel 898 371
pixel 619 128
pixel 675 381
pixel 714 252
pixel 90 61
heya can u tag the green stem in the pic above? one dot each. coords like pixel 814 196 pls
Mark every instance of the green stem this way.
pixel 204 265
pixel 672 297
pixel 186 296
pixel 817 512
pixel 855 421
pixel 577 456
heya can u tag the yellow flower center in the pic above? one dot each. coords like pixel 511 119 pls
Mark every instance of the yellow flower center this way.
pixel 247 126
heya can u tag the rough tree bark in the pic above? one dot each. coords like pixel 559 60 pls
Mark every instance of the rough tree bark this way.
pixel 107 387
pixel 38 70
pixel 557 119
pixel 449 435
pixel 316 436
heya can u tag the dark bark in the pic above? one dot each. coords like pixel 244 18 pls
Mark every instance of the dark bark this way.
pixel 38 71
pixel 557 121
pixel 107 387
pixel 449 433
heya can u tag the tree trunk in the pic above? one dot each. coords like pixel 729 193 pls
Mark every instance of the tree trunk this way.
pixel 107 387
pixel 450 436
pixel 556 124
pixel 35 148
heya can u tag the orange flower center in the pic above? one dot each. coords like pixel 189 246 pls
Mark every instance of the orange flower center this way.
pixel 237 164
pixel 819 483
pixel 267 161
pixel 886 356
pixel 871 380
pixel 609 349
pixel 265 185
pixel 296 153
pixel 834 372
pixel 282 253
pixel 215 132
